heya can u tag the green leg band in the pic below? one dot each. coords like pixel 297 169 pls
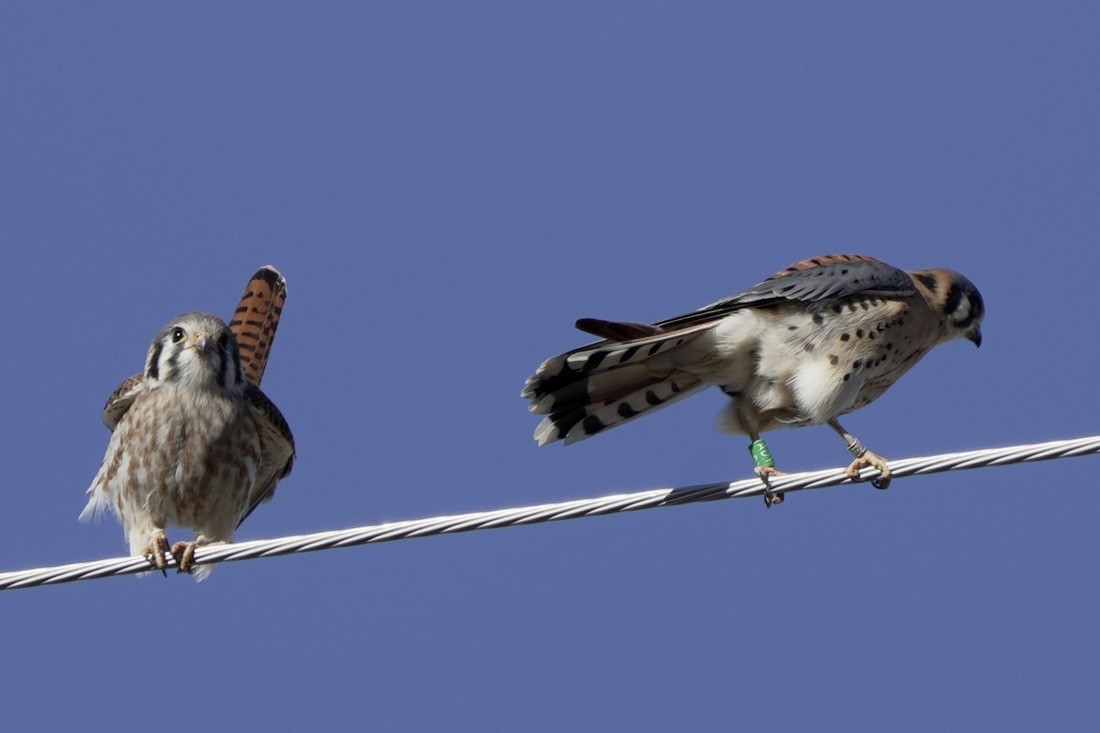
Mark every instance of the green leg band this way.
pixel 761 454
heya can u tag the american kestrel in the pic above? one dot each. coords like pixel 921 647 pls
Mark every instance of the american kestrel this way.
pixel 813 342
pixel 195 444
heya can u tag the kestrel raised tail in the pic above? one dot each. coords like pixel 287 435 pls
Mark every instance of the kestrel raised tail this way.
pixel 815 341
pixel 256 318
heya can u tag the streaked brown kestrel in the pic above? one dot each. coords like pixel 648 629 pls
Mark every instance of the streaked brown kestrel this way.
pixel 195 443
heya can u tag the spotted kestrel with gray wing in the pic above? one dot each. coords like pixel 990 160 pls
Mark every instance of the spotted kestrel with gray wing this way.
pixel 195 443
pixel 815 341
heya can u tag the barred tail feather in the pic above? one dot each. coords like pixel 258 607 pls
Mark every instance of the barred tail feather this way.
pixel 585 420
pixel 256 319
pixel 560 371
pixel 603 384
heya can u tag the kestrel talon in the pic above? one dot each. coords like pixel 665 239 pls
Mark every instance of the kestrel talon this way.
pixel 815 341
pixel 195 444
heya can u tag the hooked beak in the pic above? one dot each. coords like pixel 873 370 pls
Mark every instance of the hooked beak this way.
pixel 201 343
pixel 975 337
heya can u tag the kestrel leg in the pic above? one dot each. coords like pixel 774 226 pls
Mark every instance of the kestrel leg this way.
pixel 184 553
pixel 762 457
pixel 765 469
pixel 863 458
pixel 157 550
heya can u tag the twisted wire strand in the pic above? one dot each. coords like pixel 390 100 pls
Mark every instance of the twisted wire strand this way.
pixel 575 509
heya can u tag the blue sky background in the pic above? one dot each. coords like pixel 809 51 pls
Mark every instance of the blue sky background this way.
pixel 447 187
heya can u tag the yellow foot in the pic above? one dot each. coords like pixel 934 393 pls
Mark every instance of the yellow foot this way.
pixel 184 552
pixel 156 551
pixel 765 473
pixel 871 460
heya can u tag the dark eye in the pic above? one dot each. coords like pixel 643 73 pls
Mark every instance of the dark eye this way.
pixel 177 335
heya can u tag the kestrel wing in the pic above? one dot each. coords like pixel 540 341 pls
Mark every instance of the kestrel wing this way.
pixel 256 318
pixel 820 279
pixel 830 278
pixel 121 399
pixel 276 447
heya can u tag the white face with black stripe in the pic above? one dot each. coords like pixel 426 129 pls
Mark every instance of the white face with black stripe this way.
pixel 964 308
pixel 197 350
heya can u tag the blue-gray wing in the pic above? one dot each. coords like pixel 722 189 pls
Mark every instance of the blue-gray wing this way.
pixel 820 279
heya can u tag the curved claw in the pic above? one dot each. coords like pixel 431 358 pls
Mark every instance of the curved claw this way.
pixel 184 553
pixel 871 460
pixel 157 550
pixel 765 473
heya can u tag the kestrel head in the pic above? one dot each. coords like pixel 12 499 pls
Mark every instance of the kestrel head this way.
pixel 958 301
pixel 197 350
